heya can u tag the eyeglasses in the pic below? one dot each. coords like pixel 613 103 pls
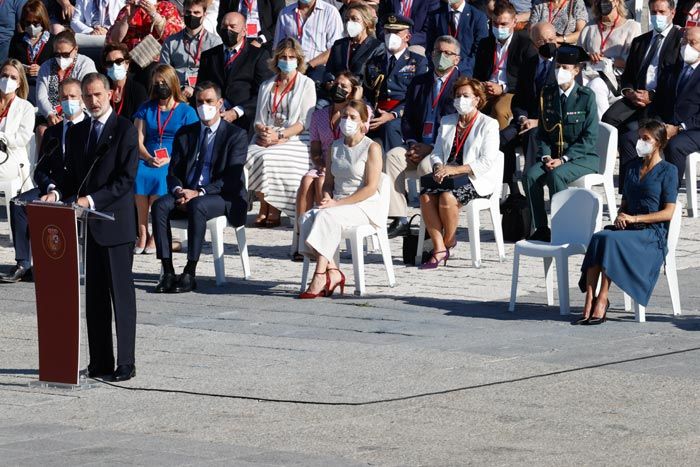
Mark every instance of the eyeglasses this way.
pixel 116 61
pixel 63 54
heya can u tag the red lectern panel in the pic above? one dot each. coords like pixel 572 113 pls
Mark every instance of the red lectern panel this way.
pixel 54 240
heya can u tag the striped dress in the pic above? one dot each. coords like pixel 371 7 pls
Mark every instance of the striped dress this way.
pixel 276 171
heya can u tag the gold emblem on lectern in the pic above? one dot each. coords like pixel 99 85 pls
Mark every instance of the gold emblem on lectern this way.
pixel 54 242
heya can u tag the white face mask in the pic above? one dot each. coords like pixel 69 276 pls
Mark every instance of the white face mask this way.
pixel 206 112
pixel 8 85
pixel 393 42
pixel 64 63
pixel 464 105
pixel 353 28
pixel 564 76
pixel 34 31
pixel 690 55
pixel 644 148
pixel 348 127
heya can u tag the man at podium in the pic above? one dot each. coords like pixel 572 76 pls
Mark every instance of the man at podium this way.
pixel 100 175
pixel 46 176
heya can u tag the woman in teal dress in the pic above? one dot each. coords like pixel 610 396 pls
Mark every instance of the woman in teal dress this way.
pixel 157 121
pixel 630 253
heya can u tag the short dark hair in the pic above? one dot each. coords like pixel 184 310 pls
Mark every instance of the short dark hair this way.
pixel 671 3
pixel 504 7
pixel 657 129
pixel 66 36
pixel 92 77
pixel 203 86
pixel 115 46
pixel 191 3
pixel 69 81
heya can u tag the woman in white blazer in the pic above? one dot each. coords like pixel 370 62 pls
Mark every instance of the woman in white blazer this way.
pixel 16 123
pixel 278 157
pixel 464 167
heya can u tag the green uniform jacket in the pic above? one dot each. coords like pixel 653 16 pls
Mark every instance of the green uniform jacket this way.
pixel 580 125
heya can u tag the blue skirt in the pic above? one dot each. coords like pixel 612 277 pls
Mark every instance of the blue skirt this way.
pixel 151 180
pixel 632 259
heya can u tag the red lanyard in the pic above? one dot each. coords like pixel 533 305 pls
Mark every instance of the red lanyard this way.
pixel 66 74
pixel 198 55
pixel 7 109
pixel 276 103
pixel 121 105
pixel 406 8
pixel 234 56
pixel 161 128
pixel 442 89
pixel 35 60
pixel 556 13
pixel 497 64
pixel 465 134
pixel 604 41
pixel 300 25
pixel 249 6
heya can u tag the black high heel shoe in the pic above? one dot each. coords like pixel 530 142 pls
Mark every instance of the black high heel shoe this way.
pixel 593 321
pixel 582 320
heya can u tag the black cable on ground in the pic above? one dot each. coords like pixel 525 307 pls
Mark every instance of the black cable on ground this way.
pixel 401 398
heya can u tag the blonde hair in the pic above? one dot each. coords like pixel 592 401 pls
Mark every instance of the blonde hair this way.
pixel 23 88
pixel 288 43
pixel 368 18
pixel 169 75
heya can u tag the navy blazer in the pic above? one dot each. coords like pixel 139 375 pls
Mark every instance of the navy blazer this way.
pixel 520 50
pixel 526 101
pixel 337 60
pixel 420 14
pixel 51 168
pixel 227 178
pixel 676 106
pixel 473 27
pixel 419 98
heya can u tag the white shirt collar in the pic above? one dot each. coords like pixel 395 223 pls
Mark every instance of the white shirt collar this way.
pixel 506 44
pixel 103 119
pixel 568 91
pixel 399 54
pixel 213 127
pixel 665 32
pixel 78 118
pixel 461 7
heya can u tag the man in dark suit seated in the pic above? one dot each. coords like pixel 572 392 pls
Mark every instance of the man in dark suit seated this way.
pixel 205 180
pixel 650 54
pixel 678 105
pixel 260 17
pixel 500 59
pixel 418 10
pixel 428 99
pixel 101 162
pixel 47 176
pixel 465 23
pixel 238 67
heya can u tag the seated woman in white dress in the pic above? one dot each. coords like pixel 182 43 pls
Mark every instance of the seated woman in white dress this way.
pixel 279 156
pixel 350 198
pixel 464 167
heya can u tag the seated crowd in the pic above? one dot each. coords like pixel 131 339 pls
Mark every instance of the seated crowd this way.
pixel 304 105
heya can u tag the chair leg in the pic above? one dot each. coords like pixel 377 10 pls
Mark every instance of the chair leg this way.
pixel 691 184
pixel 628 303
pixel 304 274
pixel 243 251
pixel 474 238
pixel 498 231
pixel 383 241
pixel 549 280
pixel 563 284
pixel 639 312
pixel 610 198
pixel 358 264
pixel 216 232
pixel 421 238
pixel 8 196
pixel 514 280
pixel 672 278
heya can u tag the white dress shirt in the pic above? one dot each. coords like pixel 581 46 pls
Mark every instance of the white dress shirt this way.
pixel 85 16
pixel 501 75
pixel 320 30
pixel 652 71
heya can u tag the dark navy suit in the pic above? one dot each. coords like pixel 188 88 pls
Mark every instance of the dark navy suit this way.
pixel 418 109
pixel 420 15
pixel 338 59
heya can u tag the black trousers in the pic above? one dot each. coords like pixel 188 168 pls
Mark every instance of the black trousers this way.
pixel 109 283
pixel 198 211
pixel 510 142
pixel 20 226
pixel 624 116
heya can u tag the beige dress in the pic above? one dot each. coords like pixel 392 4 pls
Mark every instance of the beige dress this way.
pixel 321 229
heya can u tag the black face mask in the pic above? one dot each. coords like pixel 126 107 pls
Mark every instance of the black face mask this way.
pixel 337 94
pixel 547 50
pixel 605 7
pixel 193 22
pixel 163 91
pixel 228 37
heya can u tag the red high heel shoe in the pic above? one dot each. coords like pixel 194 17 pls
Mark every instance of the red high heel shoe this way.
pixel 340 283
pixel 323 293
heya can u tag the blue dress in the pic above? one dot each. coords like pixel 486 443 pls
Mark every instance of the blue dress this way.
pixel 632 259
pixel 152 180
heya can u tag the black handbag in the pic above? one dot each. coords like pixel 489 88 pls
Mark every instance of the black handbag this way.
pixel 516 220
pixel 448 183
pixel 410 244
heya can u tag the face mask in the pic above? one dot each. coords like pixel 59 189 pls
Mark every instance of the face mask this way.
pixel 605 8
pixel 464 105
pixel 206 112
pixel 393 42
pixel 228 37
pixel 338 94
pixel 690 55
pixel 8 85
pixel 287 66
pixel 547 50
pixel 353 28
pixel 453 2
pixel 163 91
pixel 64 63
pixel 501 33
pixel 348 127
pixel 564 76
pixel 659 22
pixel 644 148
pixel 34 31
pixel 442 62
pixel 192 22
pixel 116 72
pixel 71 107
pixel 305 2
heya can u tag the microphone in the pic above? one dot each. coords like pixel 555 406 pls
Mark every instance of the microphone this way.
pixel 101 151
pixel 49 149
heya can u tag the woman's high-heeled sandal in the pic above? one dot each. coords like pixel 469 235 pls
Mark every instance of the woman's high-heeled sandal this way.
pixel 323 293
pixel 340 283
pixel 434 262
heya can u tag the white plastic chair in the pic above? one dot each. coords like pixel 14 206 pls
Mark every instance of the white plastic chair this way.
pixel 413 184
pixel 691 183
pixel 674 232
pixel 606 148
pixel 492 204
pixel 10 189
pixel 356 236
pixel 576 216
